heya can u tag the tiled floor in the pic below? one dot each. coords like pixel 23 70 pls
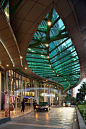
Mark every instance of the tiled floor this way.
pixel 17 112
pixel 56 118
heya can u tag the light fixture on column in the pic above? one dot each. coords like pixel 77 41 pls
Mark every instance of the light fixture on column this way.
pixel 48 57
pixel 7 65
pixel 47 45
pixel 49 23
pixel 21 57
pixel 25 68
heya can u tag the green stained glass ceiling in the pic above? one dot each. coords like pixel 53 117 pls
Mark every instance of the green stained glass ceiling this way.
pixel 51 53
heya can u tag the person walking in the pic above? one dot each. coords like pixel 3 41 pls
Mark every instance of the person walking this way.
pixel 34 104
pixel 23 106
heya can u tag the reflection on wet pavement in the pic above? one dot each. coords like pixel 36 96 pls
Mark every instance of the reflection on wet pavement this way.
pixel 57 117
pixel 15 113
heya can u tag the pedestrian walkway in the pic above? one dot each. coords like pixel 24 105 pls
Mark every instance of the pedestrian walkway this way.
pixel 16 113
pixel 56 118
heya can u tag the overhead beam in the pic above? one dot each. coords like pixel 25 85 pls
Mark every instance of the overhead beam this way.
pixel 35 39
pixel 43 31
pixel 59 44
pixel 55 22
pixel 49 40
pixel 48 27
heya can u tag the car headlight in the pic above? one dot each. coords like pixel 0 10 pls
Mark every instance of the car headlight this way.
pixel 36 106
pixel 46 106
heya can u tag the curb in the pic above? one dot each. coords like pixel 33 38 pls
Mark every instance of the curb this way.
pixel 4 120
pixel 75 120
pixel 21 115
pixel 80 120
pixel 7 119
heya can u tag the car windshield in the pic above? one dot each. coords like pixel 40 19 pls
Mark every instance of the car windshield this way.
pixel 67 102
pixel 43 103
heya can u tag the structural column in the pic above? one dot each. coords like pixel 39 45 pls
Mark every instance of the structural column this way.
pixel 49 95
pixel 16 102
pixel 21 85
pixel 60 97
pixel 1 90
pixel 44 92
pixel 35 90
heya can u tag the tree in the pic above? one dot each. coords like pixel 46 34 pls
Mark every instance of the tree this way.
pixel 82 92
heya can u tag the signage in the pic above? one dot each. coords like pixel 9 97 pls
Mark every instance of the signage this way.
pixel 44 94
pixel 7 104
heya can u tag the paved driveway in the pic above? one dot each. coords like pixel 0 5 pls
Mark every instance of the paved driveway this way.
pixel 56 118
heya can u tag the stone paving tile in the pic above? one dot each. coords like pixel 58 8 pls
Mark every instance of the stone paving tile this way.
pixel 56 118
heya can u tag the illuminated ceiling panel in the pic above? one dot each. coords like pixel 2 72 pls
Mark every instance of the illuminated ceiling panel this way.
pixel 51 53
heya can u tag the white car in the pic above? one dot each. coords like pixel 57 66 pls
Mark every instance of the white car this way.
pixel 66 104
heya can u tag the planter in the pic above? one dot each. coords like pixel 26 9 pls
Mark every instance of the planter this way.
pixel 80 120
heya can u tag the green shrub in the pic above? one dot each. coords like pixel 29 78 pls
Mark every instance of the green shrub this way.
pixel 82 109
pixel 84 103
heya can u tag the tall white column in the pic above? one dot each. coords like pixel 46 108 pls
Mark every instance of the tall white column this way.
pixel 35 90
pixel 37 93
pixel 0 91
pixel 52 96
pixel 6 80
pixel 31 101
pixel 60 97
pixel 49 93
pixel 11 81
pixel 44 92
pixel 21 85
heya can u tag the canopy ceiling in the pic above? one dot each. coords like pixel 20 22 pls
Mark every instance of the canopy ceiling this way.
pixel 51 53
pixel 65 57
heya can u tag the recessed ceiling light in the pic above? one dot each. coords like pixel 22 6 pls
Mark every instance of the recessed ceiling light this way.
pixel 7 65
pixel 49 23
pixel 29 48
pixel 25 67
pixel 47 45
pixel 21 57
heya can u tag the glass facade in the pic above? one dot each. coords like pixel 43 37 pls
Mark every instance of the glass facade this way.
pixel 21 87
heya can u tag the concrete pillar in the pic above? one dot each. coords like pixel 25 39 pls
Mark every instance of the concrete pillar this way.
pixel 49 95
pixel 31 101
pixel 0 90
pixel 44 92
pixel 35 90
pixel 37 93
pixel 16 102
pixel 60 97
pixel 6 80
pixel 11 81
pixel 21 85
